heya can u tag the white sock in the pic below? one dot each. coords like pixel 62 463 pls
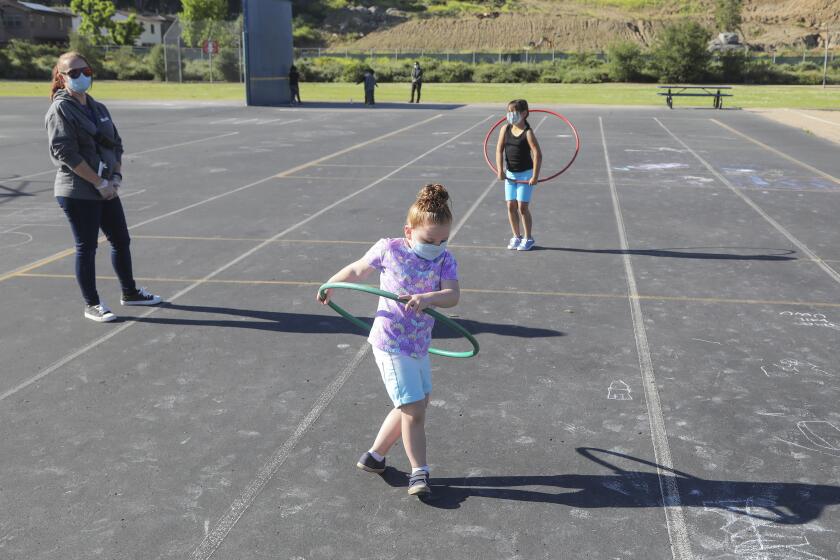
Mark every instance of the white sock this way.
pixel 376 455
pixel 418 469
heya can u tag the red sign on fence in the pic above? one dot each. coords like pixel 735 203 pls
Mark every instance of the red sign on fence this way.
pixel 210 47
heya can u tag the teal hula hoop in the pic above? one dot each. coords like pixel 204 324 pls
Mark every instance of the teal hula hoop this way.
pixel 382 293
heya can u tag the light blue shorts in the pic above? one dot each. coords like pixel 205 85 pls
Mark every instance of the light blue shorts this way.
pixel 518 191
pixel 406 379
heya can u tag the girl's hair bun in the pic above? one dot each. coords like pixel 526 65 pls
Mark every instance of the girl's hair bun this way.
pixel 431 206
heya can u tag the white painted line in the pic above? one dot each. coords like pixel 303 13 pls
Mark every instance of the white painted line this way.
pixel 272 121
pixel 70 357
pixel 127 156
pixel 481 198
pixel 779 227
pixel 61 254
pixel 779 153
pixel 214 539
pixel 800 113
pixel 207 139
pixel 674 517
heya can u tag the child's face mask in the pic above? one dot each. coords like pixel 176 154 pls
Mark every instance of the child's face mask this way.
pixel 428 251
pixel 513 117
pixel 428 241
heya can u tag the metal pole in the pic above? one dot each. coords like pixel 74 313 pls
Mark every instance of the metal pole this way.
pixel 210 60
pixel 165 64
pixel 180 69
pixel 241 66
pixel 825 57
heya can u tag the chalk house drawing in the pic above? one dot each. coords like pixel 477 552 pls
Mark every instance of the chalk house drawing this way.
pixel 619 391
pixel 751 534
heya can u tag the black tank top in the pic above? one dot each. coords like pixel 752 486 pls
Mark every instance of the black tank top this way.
pixel 518 150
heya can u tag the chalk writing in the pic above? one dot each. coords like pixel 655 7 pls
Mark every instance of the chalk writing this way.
pixel 787 366
pixel 811 319
pixel 752 534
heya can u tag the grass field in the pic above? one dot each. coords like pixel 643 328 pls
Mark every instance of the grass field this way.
pixel 748 97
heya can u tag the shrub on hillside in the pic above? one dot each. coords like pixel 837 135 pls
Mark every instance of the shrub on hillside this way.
pixel 586 76
pixel 157 63
pixel 680 54
pixel 450 72
pixel 226 65
pixel 195 71
pixel 625 61
pixel 729 67
pixel 123 64
pixel 29 61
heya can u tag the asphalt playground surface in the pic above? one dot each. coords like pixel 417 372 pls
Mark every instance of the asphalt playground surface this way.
pixel 658 379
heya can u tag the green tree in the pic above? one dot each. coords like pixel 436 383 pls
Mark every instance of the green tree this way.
pixel 625 61
pixel 96 17
pixel 680 54
pixel 127 31
pixel 200 20
pixel 728 14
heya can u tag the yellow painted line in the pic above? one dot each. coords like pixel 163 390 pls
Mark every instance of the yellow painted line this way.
pixel 37 264
pixel 779 153
pixel 66 252
pixel 584 295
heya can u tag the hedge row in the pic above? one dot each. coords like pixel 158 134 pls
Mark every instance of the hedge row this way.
pixel 23 60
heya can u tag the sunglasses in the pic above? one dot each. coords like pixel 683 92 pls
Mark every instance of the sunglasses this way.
pixel 76 72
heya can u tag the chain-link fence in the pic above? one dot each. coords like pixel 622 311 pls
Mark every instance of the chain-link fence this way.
pixel 204 51
pixel 508 57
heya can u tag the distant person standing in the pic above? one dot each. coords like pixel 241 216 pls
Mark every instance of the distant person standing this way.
pixel 369 80
pixel 416 81
pixel 294 84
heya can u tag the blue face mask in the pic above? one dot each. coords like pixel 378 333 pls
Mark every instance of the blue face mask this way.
pixel 513 117
pixel 80 84
pixel 428 251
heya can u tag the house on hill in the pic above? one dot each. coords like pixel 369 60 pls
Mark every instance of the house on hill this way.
pixel 154 26
pixel 33 22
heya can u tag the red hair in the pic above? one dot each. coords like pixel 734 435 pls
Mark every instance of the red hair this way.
pixel 57 77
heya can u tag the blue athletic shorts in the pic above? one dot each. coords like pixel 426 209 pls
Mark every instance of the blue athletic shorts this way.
pixel 518 191
pixel 406 379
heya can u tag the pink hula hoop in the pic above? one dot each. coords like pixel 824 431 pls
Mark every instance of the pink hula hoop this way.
pixel 550 177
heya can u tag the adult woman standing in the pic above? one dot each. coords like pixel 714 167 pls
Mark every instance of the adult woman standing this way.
pixel 84 143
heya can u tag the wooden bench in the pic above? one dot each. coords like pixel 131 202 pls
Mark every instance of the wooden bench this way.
pixel 695 91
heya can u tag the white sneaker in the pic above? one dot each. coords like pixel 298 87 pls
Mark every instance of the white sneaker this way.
pixel 526 245
pixel 142 297
pixel 514 243
pixel 99 313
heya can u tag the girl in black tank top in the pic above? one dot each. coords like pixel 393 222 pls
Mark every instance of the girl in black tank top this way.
pixel 518 160
pixel 517 149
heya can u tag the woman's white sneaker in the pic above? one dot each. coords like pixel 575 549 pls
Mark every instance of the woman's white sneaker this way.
pixel 99 313
pixel 142 297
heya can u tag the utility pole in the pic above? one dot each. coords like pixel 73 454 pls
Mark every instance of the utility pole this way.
pixel 825 57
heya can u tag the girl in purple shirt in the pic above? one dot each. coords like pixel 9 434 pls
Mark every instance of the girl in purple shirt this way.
pixel 423 273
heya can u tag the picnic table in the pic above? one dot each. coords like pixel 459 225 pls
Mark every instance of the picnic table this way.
pixel 695 91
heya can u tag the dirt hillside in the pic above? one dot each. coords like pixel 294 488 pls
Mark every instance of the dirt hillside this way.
pixel 571 25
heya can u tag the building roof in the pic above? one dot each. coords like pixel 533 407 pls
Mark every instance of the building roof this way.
pixel 39 7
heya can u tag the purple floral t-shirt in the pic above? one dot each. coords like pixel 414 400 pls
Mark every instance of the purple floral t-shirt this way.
pixel 395 329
